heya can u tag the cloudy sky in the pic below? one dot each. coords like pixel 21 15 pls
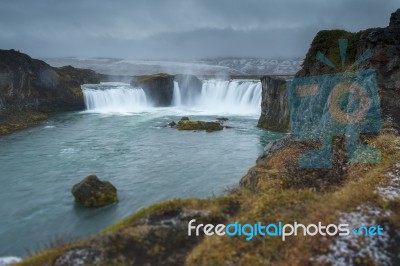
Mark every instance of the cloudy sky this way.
pixel 179 29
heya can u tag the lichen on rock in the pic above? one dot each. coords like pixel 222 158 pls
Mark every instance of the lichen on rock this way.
pixel 91 192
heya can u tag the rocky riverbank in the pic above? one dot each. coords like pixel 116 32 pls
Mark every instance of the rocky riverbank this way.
pixel 30 89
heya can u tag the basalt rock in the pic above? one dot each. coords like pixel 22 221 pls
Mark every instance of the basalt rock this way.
pixel 30 87
pixel 159 88
pixel 31 84
pixel 91 192
pixel 274 104
pixel 199 125
pixel 385 45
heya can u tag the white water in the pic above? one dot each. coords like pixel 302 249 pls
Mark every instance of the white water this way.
pixel 229 97
pixel 5 261
pixel 113 97
pixel 217 97
pixel 177 98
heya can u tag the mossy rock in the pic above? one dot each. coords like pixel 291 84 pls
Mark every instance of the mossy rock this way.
pixel 199 125
pixel 185 118
pixel 172 124
pixel 92 192
pixel 222 119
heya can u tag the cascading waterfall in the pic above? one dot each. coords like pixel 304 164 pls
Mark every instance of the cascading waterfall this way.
pixel 241 97
pixel 176 98
pixel 114 97
pixel 235 97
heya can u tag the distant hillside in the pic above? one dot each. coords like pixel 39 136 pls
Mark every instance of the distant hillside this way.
pixel 217 66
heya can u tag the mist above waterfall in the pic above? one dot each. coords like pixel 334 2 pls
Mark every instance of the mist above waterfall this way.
pixel 216 97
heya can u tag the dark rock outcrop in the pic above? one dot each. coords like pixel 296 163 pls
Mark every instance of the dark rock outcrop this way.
pixel 385 45
pixel 31 84
pixel 159 88
pixel 30 87
pixel 186 124
pixel 383 42
pixel 274 104
pixel 91 192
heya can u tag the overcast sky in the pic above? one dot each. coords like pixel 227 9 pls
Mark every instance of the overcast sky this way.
pixel 179 29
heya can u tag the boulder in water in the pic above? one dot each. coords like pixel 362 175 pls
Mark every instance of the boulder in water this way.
pixel 199 125
pixel 185 118
pixel 92 192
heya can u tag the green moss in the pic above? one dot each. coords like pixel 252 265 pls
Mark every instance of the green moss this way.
pixel 21 120
pixel 265 123
pixel 199 125
pixel 326 42
pixel 152 77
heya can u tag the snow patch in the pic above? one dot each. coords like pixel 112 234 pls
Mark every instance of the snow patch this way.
pixel 344 250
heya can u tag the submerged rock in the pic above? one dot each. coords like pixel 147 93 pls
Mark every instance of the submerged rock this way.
pixel 172 124
pixel 92 192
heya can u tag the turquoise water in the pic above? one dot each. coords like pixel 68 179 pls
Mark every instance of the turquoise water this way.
pixel 145 160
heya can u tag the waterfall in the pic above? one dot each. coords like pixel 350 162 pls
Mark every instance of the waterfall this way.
pixel 218 96
pixel 213 97
pixel 114 97
pixel 176 98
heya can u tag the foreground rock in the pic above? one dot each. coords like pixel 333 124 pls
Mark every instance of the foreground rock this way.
pixel 91 192
pixel 186 124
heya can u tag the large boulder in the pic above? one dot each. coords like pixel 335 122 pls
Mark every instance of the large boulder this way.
pixel 159 88
pixel 91 192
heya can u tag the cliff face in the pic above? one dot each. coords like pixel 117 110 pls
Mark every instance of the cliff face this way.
pixel 29 88
pixel 383 42
pixel 385 45
pixel 159 88
pixel 28 84
pixel 274 105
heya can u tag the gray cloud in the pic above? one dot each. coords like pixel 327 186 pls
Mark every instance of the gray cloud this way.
pixel 179 29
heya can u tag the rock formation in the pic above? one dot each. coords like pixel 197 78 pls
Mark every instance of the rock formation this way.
pixel 383 42
pixel 274 104
pixel 159 88
pixel 29 87
pixel 91 192
pixel 186 124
